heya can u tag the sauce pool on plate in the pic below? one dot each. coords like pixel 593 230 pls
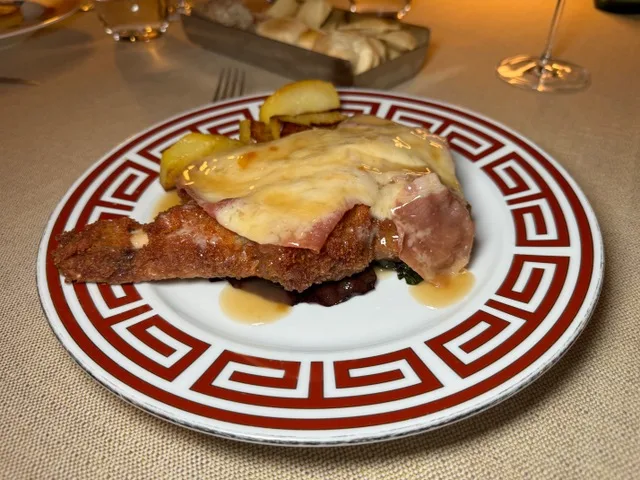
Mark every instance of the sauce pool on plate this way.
pixel 251 308
pixel 443 291
pixel 258 302
pixel 166 201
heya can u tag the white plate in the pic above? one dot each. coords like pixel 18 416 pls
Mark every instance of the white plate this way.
pixel 376 367
pixel 38 14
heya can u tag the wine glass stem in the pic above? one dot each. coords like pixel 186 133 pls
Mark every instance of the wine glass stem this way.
pixel 545 58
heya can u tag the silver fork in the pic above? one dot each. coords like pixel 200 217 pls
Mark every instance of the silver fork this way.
pixel 17 81
pixel 230 84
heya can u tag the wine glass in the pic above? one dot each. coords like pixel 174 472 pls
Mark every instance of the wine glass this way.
pixel 544 73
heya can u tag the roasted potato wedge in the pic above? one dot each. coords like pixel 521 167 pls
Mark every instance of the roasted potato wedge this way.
pixel 245 131
pixel 306 96
pixel 282 8
pixel 286 30
pixel 187 150
pixel 336 18
pixel 400 40
pixel 314 12
pixel 283 126
pixel 309 38
pixel 321 118
pixel 393 53
pixel 291 128
pixel 260 132
pixel 275 126
pixel 378 47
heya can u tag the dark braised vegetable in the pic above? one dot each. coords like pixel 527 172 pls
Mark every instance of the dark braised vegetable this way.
pixel 404 271
pixel 326 294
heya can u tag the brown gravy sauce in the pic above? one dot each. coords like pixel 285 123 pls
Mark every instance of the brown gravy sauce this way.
pixel 166 201
pixel 258 302
pixel 443 291
pixel 253 307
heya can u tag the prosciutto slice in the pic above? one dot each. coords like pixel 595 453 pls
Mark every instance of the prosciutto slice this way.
pixel 435 228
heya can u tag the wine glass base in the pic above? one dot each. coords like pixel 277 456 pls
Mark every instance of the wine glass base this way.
pixel 527 72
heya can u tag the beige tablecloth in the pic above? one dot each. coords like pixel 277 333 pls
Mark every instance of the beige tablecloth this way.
pixel 581 420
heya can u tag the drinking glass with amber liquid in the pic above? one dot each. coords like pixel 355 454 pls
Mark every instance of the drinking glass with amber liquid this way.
pixel 133 20
pixel 383 8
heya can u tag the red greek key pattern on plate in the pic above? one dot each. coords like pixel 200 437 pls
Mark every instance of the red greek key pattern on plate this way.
pixel 126 183
pixel 169 350
pixel 118 314
pixel 537 215
pixel 452 352
pixel 162 349
pixel 353 107
pixel 284 384
pixel 126 294
pixel 462 137
pixel 533 284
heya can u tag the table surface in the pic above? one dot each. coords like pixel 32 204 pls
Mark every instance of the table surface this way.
pixel 581 420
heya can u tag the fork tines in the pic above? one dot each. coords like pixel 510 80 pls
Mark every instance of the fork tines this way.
pixel 230 84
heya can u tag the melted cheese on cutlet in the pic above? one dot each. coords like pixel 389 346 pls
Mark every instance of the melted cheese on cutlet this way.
pixel 281 190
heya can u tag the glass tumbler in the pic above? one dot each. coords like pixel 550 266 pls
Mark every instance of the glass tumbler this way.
pixel 133 20
pixel 383 8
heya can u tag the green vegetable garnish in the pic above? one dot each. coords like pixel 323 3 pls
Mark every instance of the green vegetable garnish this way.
pixel 408 274
pixel 386 264
pixel 404 271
